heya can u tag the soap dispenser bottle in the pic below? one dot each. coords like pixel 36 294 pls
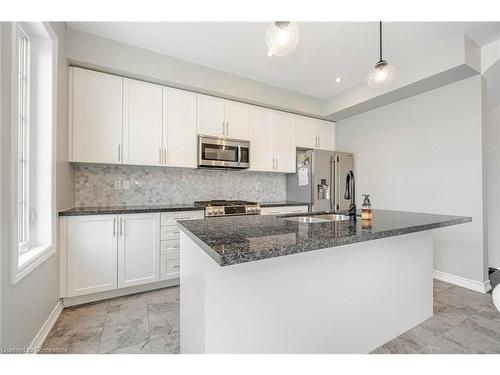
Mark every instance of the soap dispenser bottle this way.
pixel 366 208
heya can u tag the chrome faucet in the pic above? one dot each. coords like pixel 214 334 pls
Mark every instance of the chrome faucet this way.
pixel 350 193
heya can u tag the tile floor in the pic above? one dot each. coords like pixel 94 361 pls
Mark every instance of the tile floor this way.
pixel 141 323
pixel 464 322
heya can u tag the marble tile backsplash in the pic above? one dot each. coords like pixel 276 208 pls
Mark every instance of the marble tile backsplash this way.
pixel 96 185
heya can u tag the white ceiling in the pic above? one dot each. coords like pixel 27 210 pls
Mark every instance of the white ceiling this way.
pixel 326 50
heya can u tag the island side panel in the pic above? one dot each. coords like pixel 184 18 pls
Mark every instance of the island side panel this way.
pixel 192 296
pixel 347 299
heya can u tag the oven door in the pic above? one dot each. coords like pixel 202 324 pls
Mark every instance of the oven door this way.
pixel 223 153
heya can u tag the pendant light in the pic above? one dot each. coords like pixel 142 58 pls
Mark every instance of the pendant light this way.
pixel 383 74
pixel 282 38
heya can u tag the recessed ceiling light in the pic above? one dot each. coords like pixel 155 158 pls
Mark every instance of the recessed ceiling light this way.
pixel 338 79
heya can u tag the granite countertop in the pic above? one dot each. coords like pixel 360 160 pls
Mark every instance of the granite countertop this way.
pixel 234 240
pixel 114 210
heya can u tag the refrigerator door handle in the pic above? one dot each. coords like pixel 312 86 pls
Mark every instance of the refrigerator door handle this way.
pixel 332 186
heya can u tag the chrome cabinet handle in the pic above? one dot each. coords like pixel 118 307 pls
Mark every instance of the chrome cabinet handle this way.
pixel 114 226
pixel 276 163
pixel 227 127
pixel 121 227
pixel 165 155
pixel 239 154
pixel 119 153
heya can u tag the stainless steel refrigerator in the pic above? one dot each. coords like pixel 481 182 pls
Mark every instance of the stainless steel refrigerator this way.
pixel 320 180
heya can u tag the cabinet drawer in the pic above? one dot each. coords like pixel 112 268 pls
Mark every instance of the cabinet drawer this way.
pixel 168 235
pixel 283 210
pixel 170 218
pixel 170 267
pixel 170 248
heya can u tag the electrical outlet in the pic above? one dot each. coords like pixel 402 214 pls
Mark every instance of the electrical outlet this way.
pixel 126 185
pixel 117 185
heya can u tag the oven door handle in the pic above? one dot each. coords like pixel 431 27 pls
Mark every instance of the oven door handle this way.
pixel 239 154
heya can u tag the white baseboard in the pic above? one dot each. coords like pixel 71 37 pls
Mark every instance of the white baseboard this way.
pixel 478 286
pixel 40 337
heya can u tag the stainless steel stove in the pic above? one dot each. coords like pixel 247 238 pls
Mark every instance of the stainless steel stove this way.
pixel 228 208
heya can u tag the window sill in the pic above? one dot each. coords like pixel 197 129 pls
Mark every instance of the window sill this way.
pixel 30 260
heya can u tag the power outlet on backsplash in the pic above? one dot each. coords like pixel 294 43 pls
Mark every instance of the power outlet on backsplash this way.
pixel 106 185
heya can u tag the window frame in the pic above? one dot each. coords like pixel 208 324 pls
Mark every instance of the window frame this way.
pixel 24 261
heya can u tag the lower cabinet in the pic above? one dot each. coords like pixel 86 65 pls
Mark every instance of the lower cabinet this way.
pixel 92 254
pixel 283 210
pixel 106 252
pixel 138 249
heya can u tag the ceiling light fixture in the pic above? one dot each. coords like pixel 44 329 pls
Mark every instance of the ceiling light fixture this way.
pixel 338 79
pixel 383 74
pixel 282 38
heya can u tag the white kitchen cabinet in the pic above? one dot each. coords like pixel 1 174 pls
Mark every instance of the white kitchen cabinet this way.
pixel 138 249
pixel 284 142
pixel 91 254
pixel 272 141
pixel 179 128
pixel 237 117
pixel 95 117
pixel 211 116
pixel 283 210
pixel 142 123
pixel 170 244
pixel 222 118
pixel 325 133
pixel 261 140
pixel 305 132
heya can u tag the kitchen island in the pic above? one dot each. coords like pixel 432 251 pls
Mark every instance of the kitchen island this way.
pixel 266 284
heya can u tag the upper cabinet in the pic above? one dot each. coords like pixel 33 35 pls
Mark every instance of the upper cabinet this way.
pixel 325 133
pixel 211 117
pixel 272 141
pixel 223 118
pixel 115 120
pixel 305 132
pixel 179 128
pixel 142 123
pixel 237 120
pixel 314 134
pixel 95 117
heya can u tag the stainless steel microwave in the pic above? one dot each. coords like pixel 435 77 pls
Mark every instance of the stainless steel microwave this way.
pixel 223 153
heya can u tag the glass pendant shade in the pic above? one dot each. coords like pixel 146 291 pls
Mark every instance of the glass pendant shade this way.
pixel 282 38
pixel 382 75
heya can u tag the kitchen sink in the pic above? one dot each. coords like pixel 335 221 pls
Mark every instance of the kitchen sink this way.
pixel 320 218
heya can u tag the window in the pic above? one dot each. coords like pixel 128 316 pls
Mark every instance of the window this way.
pixel 23 139
pixel 35 47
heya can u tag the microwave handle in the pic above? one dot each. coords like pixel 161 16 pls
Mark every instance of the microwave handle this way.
pixel 239 155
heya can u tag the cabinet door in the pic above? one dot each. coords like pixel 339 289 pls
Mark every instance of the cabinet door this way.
pixel 92 251
pixel 96 117
pixel 210 116
pixel 179 128
pixel 142 123
pixel 305 132
pixel 138 249
pixel 261 144
pixel 284 142
pixel 237 117
pixel 325 131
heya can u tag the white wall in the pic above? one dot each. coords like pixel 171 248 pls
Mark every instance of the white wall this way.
pixel 492 145
pixel 26 305
pixel 424 154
